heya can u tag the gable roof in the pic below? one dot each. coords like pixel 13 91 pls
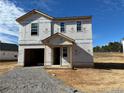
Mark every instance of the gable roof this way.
pixel 8 47
pixel 34 11
pixel 60 35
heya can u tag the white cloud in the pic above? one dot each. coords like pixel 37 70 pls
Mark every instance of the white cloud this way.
pixel 8 14
pixel 6 39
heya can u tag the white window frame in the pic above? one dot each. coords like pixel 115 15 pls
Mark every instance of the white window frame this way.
pixel 79 26
pixel 34 28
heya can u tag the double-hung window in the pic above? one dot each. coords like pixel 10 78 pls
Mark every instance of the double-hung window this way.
pixel 62 25
pixel 78 26
pixel 34 29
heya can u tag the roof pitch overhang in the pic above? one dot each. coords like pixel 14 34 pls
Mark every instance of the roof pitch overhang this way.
pixel 34 11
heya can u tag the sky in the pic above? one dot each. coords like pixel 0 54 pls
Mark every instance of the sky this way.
pixel 108 16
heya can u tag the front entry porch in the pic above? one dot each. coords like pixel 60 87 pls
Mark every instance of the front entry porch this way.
pixel 62 56
pixel 61 51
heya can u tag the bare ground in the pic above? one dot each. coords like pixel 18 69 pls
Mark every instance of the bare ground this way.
pixel 92 80
pixel 109 57
pixel 88 79
pixel 6 66
pixel 95 80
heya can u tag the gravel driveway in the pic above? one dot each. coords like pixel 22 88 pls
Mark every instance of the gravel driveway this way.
pixel 31 80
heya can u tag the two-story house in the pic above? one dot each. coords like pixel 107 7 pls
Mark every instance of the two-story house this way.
pixel 55 42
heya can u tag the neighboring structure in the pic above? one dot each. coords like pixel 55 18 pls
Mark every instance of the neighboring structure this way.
pixel 8 51
pixel 55 42
pixel 123 44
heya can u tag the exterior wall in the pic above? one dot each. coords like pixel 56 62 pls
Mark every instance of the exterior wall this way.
pixel 71 29
pixel 48 56
pixel 22 50
pixel 25 30
pixel 82 55
pixel 82 50
pixel 8 55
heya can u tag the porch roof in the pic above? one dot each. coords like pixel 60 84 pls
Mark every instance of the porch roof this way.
pixel 59 35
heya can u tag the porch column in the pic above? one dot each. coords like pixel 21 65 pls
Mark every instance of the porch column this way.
pixel 48 55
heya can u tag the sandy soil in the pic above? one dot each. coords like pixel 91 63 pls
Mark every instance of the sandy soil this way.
pixel 108 57
pixel 6 66
pixel 95 80
pixel 92 80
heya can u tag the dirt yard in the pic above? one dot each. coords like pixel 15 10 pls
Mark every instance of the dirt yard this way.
pixel 108 58
pixel 95 80
pixel 88 80
pixel 6 66
pixel 92 80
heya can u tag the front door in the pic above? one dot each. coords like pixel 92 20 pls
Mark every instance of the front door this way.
pixel 56 56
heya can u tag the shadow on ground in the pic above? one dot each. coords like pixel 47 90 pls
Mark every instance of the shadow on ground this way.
pixel 109 65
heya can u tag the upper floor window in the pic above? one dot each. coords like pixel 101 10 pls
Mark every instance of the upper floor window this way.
pixel 34 28
pixel 62 27
pixel 78 26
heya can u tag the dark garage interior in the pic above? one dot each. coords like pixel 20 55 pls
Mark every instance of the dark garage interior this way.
pixel 34 57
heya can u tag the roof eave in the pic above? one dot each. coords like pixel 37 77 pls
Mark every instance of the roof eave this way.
pixel 72 18
pixel 34 11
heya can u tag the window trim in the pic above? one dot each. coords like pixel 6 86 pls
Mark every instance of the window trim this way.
pixel 65 53
pixel 79 26
pixel 62 27
pixel 34 28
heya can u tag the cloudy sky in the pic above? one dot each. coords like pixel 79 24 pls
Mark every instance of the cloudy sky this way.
pixel 108 16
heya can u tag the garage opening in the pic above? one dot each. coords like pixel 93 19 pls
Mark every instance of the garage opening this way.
pixel 34 57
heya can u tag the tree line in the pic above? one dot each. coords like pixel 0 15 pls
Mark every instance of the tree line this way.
pixel 111 47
